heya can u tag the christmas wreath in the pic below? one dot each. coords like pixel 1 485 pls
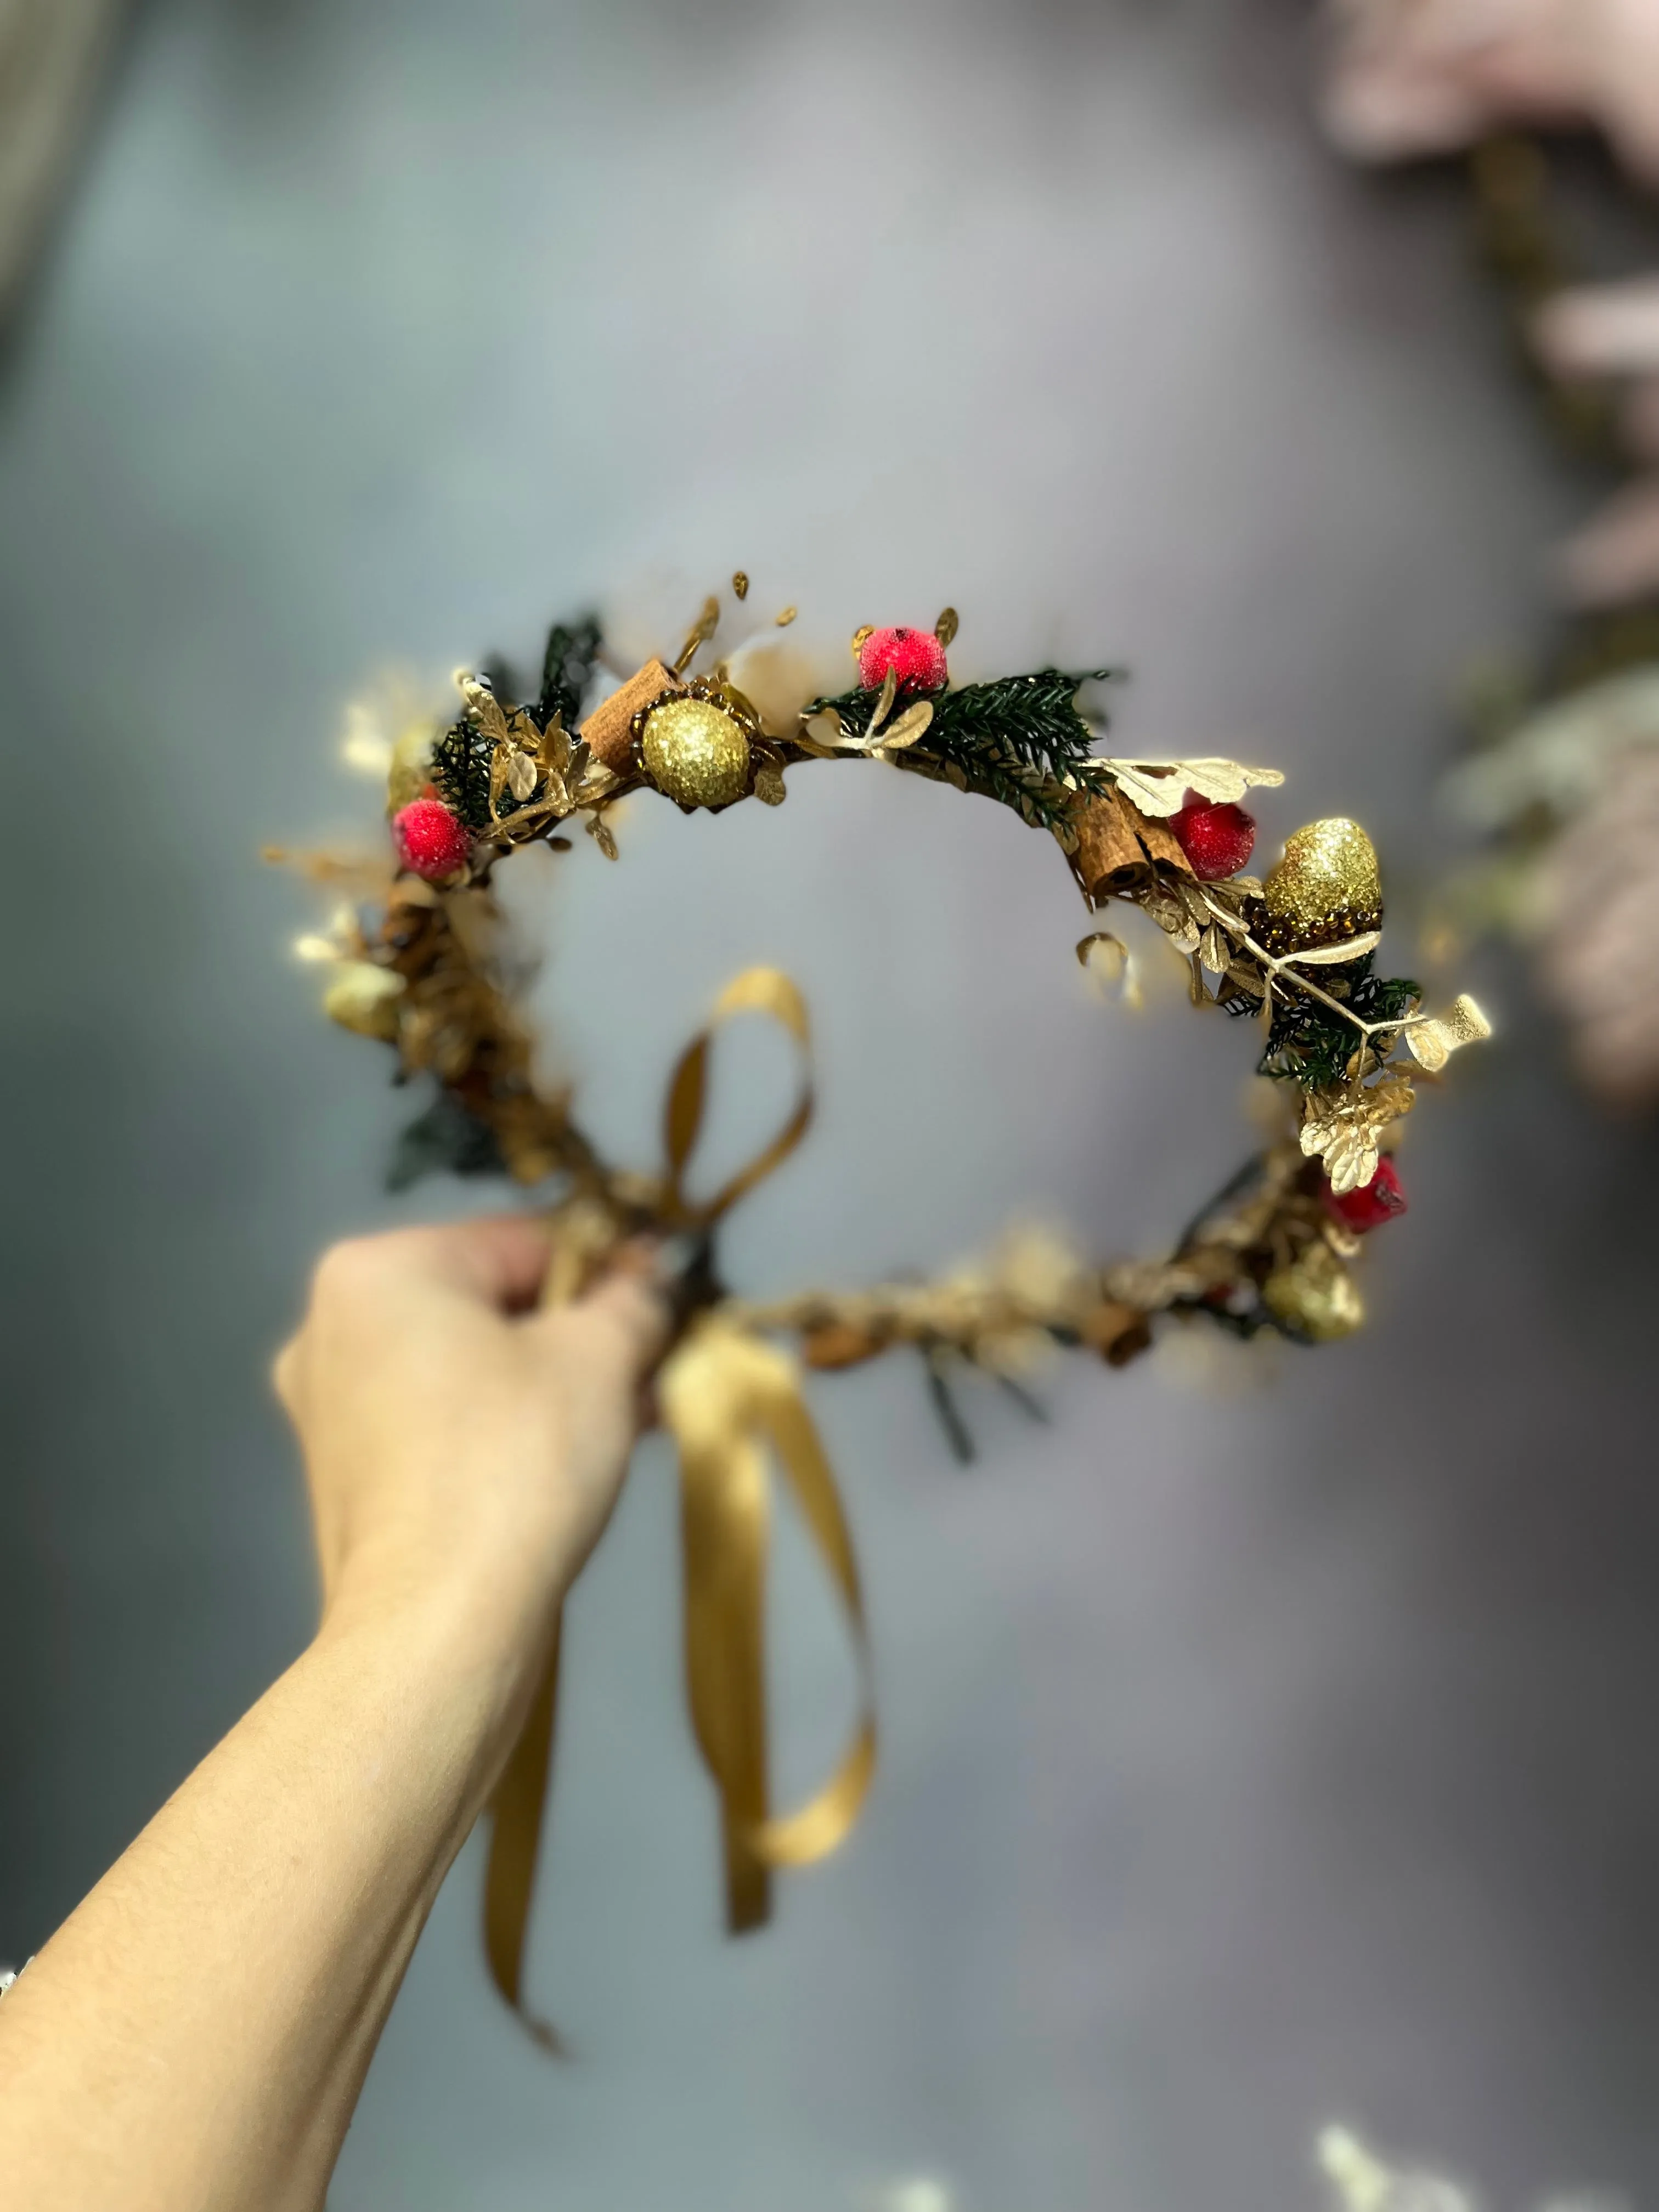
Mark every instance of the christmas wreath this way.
pixel 417 961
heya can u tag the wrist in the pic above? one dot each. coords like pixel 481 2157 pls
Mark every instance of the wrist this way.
pixel 467 1669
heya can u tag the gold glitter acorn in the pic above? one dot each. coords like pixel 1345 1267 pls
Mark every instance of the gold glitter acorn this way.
pixel 696 752
pixel 1316 1296
pixel 1326 889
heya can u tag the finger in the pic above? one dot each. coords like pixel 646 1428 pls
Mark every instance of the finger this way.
pixel 1601 330
pixel 499 1260
pixel 632 1302
pixel 1386 99
pixel 625 1320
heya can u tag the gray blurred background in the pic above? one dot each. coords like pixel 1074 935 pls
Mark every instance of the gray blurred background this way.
pixel 1250 1757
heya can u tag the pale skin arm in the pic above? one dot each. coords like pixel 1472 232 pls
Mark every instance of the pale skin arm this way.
pixel 194 2038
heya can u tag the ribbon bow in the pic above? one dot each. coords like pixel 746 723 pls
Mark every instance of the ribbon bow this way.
pixel 733 1405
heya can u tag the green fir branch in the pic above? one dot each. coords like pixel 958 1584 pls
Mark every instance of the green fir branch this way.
pixel 568 665
pixel 461 762
pixel 1020 740
pixel 447 1138
pixel 1034 719
pixel 1309 1045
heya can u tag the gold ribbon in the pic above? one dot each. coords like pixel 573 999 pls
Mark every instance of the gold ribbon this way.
pixel 732 1403
pixel 728 1397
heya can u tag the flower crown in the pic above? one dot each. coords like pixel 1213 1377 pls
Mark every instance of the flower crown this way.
pixel 417 961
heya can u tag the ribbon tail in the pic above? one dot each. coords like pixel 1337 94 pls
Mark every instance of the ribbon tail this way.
pixel 729 1398
pixel 824 1823
pixel 516 1812
pixel 724 1531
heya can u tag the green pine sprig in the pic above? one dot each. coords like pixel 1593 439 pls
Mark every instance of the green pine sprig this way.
pixel 1019 740
pixel 1309 1045
pixel 568 665
pixel 461 762
pixel 447 1138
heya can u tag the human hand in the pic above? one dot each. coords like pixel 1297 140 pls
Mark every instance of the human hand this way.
pixel 1427 76
pixel 197 2031
pixel 463 1445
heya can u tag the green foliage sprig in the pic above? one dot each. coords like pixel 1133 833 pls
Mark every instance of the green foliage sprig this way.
pixel 1019 740
pixel 462 758
pixel 568 665
pixel 461 762
pixel 1309 1045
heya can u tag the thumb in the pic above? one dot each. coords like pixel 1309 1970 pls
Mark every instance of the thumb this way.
pixel 624 1322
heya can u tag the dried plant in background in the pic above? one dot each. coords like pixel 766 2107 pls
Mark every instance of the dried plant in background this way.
pixel 1564 782
pixel 1406 78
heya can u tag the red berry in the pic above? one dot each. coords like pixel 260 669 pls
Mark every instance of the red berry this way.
pixel 916 657
pixel 1378 1201
pixel 430 839
pixel 1216 839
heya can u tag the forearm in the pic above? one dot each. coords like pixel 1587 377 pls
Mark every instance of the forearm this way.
pixel 194 2038
pixel 197 2032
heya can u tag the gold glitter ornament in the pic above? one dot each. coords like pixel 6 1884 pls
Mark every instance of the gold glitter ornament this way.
pixel 1316 1296
pixel 1326 888
pixel 696 752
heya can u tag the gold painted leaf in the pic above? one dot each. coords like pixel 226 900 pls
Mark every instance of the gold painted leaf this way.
pixel 1351 1160
pixel 1337 956
pixel 1464 1023
pixel 557 749
pixel 1105 960
pixel 883 704
pixel 1428 1045
pixel 483 706
pixel 1434 1041
pixel 1344 1126
pixel 599 830
pixel 911 725
pixel 593 780
pixel 1224 781
pixel 1190 892
pixel 1170 912
pixel 699 632
pixel 1160 787
pixel 769 788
